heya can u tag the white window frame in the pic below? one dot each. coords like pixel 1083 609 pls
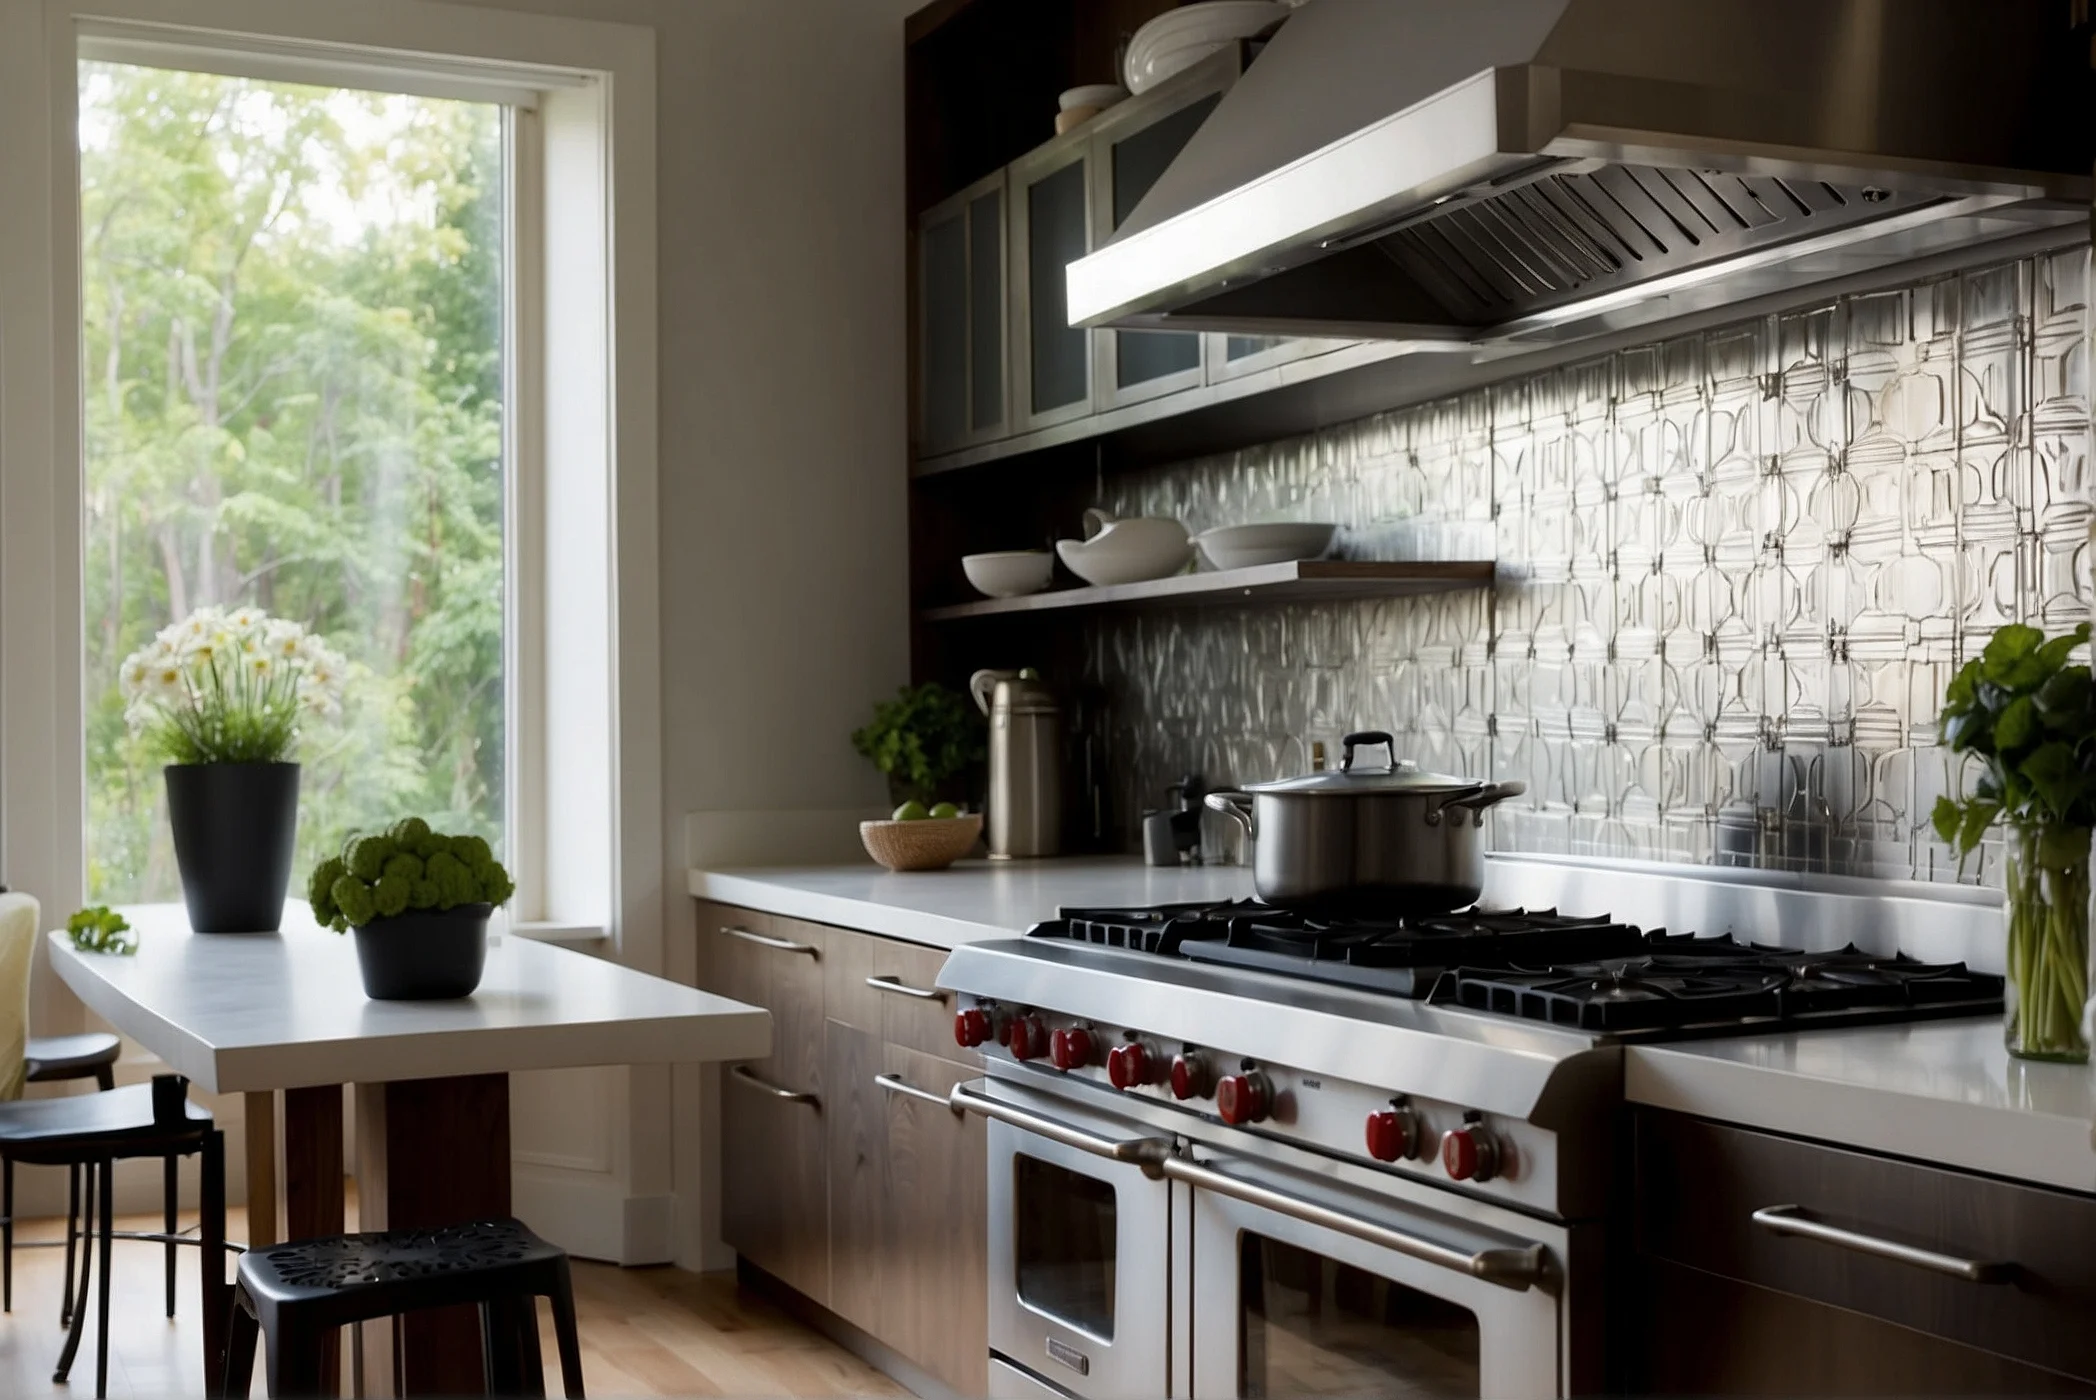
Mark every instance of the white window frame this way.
pixel 580 410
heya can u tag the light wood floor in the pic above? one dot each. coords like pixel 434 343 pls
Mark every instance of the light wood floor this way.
pixel 657 1331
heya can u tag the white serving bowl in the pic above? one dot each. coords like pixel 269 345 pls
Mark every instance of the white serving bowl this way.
pixel 1248 546
pixel 1178 39
pixel 1098 96
pixel 1010 573
pixel 1126 551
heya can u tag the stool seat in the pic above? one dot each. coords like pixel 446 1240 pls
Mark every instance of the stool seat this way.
pixel 52 1057
pixel 292 1296
pixel 114 1120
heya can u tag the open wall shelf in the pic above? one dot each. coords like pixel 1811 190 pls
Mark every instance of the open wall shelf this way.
pixel 1305 580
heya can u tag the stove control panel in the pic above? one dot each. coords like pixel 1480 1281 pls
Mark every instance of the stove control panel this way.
pixel 1397 1128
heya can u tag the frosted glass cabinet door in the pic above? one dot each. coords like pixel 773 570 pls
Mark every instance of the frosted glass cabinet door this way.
pixel 961 382
pixel 1130 154
pixel 1051 218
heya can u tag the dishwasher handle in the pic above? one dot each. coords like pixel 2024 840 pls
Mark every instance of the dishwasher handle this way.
pixel 1147 1153
pixel 1517 1267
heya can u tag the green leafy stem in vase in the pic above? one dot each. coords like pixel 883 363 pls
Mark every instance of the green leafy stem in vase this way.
pixel 407 867
pixel 2028 716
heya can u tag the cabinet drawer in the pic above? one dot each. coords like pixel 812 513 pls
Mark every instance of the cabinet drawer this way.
pixel 890 989
pixel 1899 1230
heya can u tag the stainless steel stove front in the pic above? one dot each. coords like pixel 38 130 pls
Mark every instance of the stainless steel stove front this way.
pixel 1133 1257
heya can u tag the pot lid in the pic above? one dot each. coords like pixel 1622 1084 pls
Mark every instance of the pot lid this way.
pixel 1356 775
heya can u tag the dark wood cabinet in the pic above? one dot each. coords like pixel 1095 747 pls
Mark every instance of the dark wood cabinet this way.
pixel 857 1188
pixel 1907 1278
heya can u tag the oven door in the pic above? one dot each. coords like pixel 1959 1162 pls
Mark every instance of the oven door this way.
pixel 1309 1285
pixel 1080 1240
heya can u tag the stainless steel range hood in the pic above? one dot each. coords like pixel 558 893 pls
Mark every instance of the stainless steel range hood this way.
pixel 1479 172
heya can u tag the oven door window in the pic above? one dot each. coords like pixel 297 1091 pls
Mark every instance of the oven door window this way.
pixel 1064 1234
pixel 1313 1326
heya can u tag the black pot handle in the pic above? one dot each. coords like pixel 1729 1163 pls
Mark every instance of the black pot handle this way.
pixel 1367 739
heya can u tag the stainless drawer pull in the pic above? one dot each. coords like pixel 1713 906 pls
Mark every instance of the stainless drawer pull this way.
pixel 896 1084
pixel 742 1074
pixel 1792 1220
pixel 1518 1268
pixel 889 983
pixel 1146 1153
pixel 765 940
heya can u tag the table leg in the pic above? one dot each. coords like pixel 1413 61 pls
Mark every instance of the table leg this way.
pixel 215 1295
pixel 313 1203
pixel 431 1152
pixel 262 1169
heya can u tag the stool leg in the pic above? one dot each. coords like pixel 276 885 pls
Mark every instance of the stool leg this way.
pixel 532 1359
pixel 105 1078
pixel 564 1335
pixel 498 1346
pixel 106 1207
pixel 170 1180
pixel 241 1331
pixel 72 1344
pixel 214 1296
pixel 294 1361
pixel 65 1299
pixel 7 1234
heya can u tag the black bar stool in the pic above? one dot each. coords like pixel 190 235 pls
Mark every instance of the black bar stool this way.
pixel 293 1295
pixel 90 1133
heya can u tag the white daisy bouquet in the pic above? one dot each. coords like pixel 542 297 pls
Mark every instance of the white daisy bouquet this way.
pixel 230 687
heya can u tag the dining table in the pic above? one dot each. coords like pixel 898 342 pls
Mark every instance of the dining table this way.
pixel 282 1018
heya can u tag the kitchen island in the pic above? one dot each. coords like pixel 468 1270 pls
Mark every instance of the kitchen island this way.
pixel 285 1012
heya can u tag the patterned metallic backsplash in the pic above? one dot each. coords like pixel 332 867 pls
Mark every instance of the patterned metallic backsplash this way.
pixel 1735 572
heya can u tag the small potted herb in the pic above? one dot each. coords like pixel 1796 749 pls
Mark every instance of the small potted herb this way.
pixel 419 901
pixel 923 740
pixel 2029 717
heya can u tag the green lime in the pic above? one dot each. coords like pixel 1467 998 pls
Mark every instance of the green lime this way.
pixel 911 811
pixel 946 811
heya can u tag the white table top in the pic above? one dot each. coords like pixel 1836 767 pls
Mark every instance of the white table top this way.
pixel 243 1012
pixel 972 900
pixel 1938 1091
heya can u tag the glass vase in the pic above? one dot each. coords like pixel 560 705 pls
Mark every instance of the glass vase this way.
pixel 2048 991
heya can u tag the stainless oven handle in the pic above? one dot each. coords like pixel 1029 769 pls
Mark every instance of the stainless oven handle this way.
pixel 896 986
pixel 1792 1220
pixel 1515 1268
pixel 742 1074
pixel 765 940
pixel 1147 1153
pixel 896 1084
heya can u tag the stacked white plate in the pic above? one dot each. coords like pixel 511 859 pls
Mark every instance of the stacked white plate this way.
pixel 1178 39
pixel 1249 546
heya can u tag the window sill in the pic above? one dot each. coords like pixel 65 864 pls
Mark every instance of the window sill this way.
pixel 568 935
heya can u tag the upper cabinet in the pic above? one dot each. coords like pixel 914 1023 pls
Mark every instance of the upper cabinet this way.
pixel 963 390
pixel 997 359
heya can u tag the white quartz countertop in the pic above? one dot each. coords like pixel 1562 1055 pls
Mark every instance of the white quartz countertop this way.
pixel 1943 1092
pixel 972 900
pixel 254 1011
pixel 1937 1091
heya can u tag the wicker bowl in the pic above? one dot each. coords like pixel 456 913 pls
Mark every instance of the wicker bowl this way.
pixel 932 843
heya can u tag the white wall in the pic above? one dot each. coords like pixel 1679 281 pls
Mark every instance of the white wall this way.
pixel 784 532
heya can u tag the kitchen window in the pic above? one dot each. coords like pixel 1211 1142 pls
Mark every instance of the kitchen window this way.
pixel 306 360
pixel 294 307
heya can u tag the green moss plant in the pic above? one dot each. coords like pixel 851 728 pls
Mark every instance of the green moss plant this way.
pixel 407 867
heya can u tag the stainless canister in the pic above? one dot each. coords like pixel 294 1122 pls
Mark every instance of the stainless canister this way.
pixel 1025 803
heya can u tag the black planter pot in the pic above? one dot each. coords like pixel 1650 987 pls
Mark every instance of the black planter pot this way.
pixel 424 954
pixel 235 825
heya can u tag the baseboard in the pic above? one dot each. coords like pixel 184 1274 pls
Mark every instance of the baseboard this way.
pixel 856 1340
pixel 593 1218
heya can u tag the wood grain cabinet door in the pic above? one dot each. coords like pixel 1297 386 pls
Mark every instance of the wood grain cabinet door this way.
pixel 774 1188
pixel 936 1309
pixel 1982 1263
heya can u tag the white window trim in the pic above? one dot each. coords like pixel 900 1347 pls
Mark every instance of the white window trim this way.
pixel 598 74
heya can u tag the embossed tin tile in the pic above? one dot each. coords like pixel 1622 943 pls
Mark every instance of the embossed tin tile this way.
pixel 1736 571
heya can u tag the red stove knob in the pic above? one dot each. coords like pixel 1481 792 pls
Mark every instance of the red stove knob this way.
pixel 1070 1049
pixel 1243 1098
pixel 1393 1134
pixel 971 1027
pixel 1470 1153
pixel 1026 1038
pixel 1128 1065
pixel 1189 1076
